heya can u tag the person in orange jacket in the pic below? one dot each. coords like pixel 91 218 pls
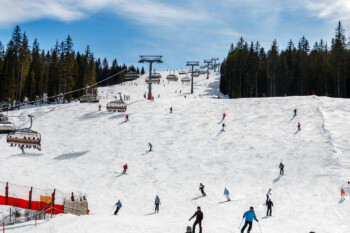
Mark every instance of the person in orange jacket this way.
pixel 342 194
pixel 223 116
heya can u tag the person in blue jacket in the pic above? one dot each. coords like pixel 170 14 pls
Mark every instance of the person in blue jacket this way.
pixel 249 217
pixel 119 205
pixel 22 149
pixel 150 146
pixel 157 203
pixel 227 194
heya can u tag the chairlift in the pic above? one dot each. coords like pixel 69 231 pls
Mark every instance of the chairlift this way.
pixel 172 77
pixel 155 78
pixel 183 72
pixel 26 137
pixel 186 80
pixel 6 126
pixel 116 106
pixel 89 98
pixel 131 76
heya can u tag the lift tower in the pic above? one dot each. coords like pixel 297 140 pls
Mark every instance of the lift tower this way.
pixel 150 59
pixel 192 64
pixel 208 63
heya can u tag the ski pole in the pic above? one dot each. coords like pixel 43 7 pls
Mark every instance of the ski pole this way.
pixel 259 227
pixel 241 223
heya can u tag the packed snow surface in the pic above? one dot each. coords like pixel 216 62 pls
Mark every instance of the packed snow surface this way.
pixel 83 150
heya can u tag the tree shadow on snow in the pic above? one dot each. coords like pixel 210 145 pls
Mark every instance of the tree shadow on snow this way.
pixel 91 115
pixel 277 179
pixel 117 116
pixel 71 155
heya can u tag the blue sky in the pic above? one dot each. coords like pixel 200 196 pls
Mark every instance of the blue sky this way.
pixel 180 30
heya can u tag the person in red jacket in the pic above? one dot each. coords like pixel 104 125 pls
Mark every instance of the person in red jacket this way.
pixel 223 116
pixel 126 117
pixel 125 168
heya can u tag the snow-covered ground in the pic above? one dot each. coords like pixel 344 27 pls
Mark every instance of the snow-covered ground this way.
pixel 83 150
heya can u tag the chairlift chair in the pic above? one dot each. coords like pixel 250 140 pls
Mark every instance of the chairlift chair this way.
pixel 89 98
pixel 25 137
pixel 186 80
pixel 116 106
pixel 172 77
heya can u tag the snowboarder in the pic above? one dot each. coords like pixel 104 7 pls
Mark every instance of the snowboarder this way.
pixel 299 126
pixel 126 118
pixel 150 146
pixel 223 116
pixel 227 194
pixel 268 195
pixel 22 149
pixel 125 167
pixel 119 205
pixel 99 107
pixel 157 203
pixel 171 109
pixel 223 127
pixel 342 195
pixel 249 217
pixel 281 169
pixel 295 112
pixel 199 218
pixel 201 187
pixel 269 205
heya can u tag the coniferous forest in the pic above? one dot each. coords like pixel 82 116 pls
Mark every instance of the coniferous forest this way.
pixel 28 72
pixel 324 70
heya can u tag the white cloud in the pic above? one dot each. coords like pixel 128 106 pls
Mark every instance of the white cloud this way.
pixel 144 11
pixel 332 9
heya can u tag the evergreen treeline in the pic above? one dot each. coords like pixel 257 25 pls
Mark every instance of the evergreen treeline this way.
pixel 249 70
pixel 27 72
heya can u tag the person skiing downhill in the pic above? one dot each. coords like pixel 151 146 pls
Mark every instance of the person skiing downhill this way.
pixel 201 187
pixel 342 195
pixel 119 205
pixel 22 149
pixel 269 205
pixel 268 195
pixel 199 218
pixel 249 217
pixel 223 116
pixel 126 118
pixel 157 203
pixel 223 127
pixel 295 112
pixel 150 146
pixel 227 194
pixel 125 168
pixel 281 169
pixel 299 126
pixel 171 109
pixel 99 107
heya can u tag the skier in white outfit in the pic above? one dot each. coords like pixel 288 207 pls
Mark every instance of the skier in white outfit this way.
pixel 268 195
pixel 227 194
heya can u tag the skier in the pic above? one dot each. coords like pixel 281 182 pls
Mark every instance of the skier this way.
pixel 223 127
pixel 223 116
pixel 150 146
pixel 22 149
pixel 249 217
pixel 201 187
pixel 125 168
pixel 119 205
pixel 281 169
pixel 126 118
pixel 299 126
pixel 199 218
pixel 342 195
pixel 227 194
pixel 171 109
pixel 218 96
pixel 157 203
pixel 295 112
pixel 269 205
pixel 99 107
pixel 268 195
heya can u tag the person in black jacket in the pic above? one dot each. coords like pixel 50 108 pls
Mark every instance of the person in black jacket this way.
pixel 269 205
pixel 201 187
pixel 199 218
pixel 281 169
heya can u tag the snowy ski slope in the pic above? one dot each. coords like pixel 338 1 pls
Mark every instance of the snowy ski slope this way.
pixel 83 150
